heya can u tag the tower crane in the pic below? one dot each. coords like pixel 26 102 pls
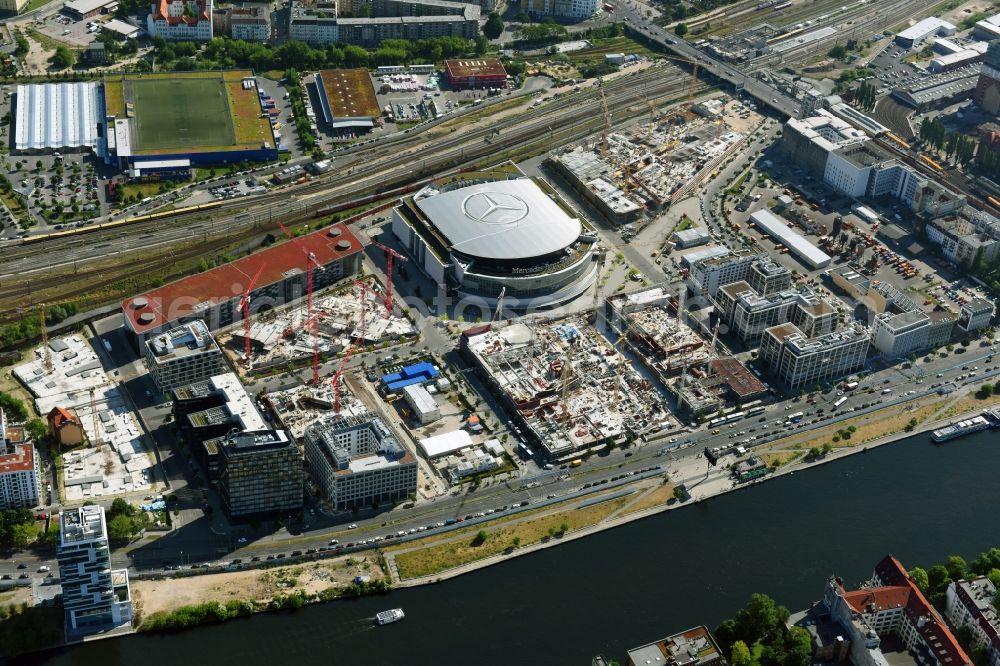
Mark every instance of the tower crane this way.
pixel 607 124
pixel 312 326
pixel 338 376
pixel 618 368
pixel 244 307
pixel 499 311
pixel 390 255
pixel 45 338
pixel 311 263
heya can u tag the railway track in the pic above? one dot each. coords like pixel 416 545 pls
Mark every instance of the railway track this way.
pixel 578 108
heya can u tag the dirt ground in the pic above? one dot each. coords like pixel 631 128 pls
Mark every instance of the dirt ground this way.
pixel 152 596
pixel 956 15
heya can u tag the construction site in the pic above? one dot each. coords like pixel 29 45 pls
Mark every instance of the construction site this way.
pixel 649 165
pixel 573 390
pixel 103 450
pixel 681 353
pixel 322 326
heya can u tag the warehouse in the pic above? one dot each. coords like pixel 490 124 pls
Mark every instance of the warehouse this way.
pixel 781 233
pixel 84 9
pixel 347 99
pixel 214 295
pixel 56 116
pixel 929 27
pixel 479 73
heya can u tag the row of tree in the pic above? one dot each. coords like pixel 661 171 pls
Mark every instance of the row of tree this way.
pixel 224 52
pixel 865 96
pixel 17 528
pixel 952 144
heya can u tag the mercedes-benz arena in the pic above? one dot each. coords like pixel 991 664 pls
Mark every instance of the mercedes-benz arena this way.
pixel 514 235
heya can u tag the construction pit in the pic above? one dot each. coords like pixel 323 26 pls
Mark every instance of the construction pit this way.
pixel 113 458
pixel 287 336
pixel 574 392
pixel 650 165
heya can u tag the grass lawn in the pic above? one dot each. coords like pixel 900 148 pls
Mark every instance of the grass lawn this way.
pixel 685 223
pixel 622 44
pixel 141 189
pixel 437 558
pixel 114 97
pixel 244 109
pixel 180 113
pixel 33 5
pixel 659 496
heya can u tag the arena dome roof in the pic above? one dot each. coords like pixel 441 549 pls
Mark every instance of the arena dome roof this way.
pixel 512 219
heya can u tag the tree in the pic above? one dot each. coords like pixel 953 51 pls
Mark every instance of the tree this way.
pixel 919 577
pixel 37 429
pixel 564 527
pixel 63 58
pixel 837 52
pixel 740 655
pixel 680 30
pixel 22 534
pixel 121 528
pixel 937 577
pixel 493 27
pixel 956 567
pixel 517 542
pixel 121 508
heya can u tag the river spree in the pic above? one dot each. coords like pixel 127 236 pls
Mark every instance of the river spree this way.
pixel 636 583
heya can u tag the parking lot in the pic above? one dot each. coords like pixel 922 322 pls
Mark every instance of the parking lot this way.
pixel 68 30
pixel 891 71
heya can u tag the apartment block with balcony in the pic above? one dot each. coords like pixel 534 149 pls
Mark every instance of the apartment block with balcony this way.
pixel 96 598
pixel 20 481
pixel 707 275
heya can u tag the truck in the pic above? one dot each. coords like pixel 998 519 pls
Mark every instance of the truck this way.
pixel 576 463
pixel 850 386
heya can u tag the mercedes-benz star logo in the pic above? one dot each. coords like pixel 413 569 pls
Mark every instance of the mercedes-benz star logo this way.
pixel 495 208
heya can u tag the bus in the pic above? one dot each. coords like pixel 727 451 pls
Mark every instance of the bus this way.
pixel 794 418
pixel 754 411
pixel 850 386
pixel 715 423
pixel 839 402
pixel 735 416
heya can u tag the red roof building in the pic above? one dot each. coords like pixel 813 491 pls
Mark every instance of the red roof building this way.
pixel 214 296
pixel 478 73
pixel 65 428
pixel 892 604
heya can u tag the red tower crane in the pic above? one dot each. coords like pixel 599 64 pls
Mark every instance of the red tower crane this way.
pixel 390 254
pixel 245 309
pixel 312 325
pixel 311 262
pixel 365 289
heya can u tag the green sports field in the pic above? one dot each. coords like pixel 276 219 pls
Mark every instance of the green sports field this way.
pixel 182 112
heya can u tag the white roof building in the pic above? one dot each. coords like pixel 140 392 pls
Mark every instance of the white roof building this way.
pixel 811 255
pixel 445 443
pixel 56 116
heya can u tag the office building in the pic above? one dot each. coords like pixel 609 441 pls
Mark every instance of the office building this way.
pixel 96 598
pixel 214 296
pixel 213 408
pixel 970 603
pixel 250 22
pixel 260 472
pixel 358 462
pixel 749 313
pixel 890 604
pixel 576 10
pixel 694 647
pixel 899 335
pixel 20 481
pixel 975 315
pixel 707 275
pixel 422 404
pixel 180 20
pixel 184 355
pixel 767 277
pixel 800 362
